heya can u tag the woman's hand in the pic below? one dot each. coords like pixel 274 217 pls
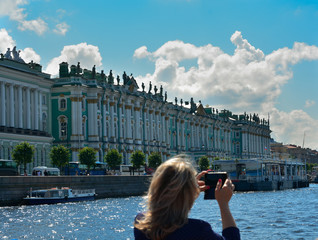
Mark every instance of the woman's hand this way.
pixel 201 183
pixel 223 195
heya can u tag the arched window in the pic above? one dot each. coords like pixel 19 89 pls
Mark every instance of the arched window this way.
pixel 62 105
pixel 107 129
pixel 9 153
pixel 62 127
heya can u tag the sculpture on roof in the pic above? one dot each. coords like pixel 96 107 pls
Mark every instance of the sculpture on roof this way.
pixel 150 87
pixel 161 90
pixel 7 55
pixel 193 106
pixel 94 72
pixel 156 89
pixel 176 100
pixel 165 96
pixel 110 77
pixel 78 69
pixel 118 79
pixel 181 101
pixel 102 75
pixel 125 78
pixel 143 86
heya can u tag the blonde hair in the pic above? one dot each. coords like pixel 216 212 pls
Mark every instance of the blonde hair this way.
pixel 171 195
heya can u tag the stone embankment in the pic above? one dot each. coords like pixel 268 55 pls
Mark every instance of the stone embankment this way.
pixel 14 189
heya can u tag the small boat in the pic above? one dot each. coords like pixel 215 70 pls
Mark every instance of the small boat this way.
pixel 59 195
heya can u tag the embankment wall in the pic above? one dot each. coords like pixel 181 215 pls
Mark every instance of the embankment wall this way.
pixel 14 188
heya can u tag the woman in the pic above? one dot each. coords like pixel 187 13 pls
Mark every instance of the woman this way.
pixel 171 194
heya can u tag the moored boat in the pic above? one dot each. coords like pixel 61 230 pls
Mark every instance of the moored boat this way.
pixel 59 195
pixel 264 174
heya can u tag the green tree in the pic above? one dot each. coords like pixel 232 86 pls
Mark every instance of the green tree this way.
pixel 204 163
pixel 87 156
pixel 113 158
pixel 60 156
pixel 138 159
pixel 23 153
pixel 154 160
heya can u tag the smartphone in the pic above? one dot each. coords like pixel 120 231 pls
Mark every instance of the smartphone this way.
pixel 211 179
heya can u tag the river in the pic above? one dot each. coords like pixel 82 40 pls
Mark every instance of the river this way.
pixel 289 214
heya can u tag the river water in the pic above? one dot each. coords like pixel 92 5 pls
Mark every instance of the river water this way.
pixel 289 214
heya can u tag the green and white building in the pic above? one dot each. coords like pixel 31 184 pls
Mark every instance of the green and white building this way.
pixel 85 108
pixel 99 111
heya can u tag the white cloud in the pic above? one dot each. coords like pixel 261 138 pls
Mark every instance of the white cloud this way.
pixel 28 55
pixel 38 26
pixel 88 55
pixel 248 80
pixel 13 9
pixel 290 127
pixel 141 52
pixel 61 28
pixel 6 41
pixel 309 103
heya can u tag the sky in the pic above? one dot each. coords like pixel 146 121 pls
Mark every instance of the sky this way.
pixel 248 56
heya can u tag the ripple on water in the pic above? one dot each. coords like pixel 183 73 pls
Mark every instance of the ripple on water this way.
pixel 260 215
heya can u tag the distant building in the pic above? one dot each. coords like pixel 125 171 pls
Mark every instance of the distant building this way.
pixel 85 108
pixel 25 109
pixel 99 111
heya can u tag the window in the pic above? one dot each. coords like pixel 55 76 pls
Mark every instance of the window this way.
pixel 107 107
pixel 62 104
pixel 43 99
pixel 62 127
pixel 44 122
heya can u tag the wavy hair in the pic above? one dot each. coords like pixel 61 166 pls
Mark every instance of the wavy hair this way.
pixel 171 194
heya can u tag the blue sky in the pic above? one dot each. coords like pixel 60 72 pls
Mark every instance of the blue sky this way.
pixel 241 55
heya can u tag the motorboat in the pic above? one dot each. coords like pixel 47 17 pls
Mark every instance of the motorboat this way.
pixel 59 195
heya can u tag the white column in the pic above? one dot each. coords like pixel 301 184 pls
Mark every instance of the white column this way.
pixel 28 109
pixel 112 123
pixel 167 129
pixel 20 102
pixel 40 112
pixel 11 105
pixel 79 116
pixel 163 129
pixel 128 121
pixel 137 123
pixel 3 104
pixel 36 109
pixel 151 125
pixel 104 119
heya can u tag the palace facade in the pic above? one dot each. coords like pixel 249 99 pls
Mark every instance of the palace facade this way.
pixel 85 108
pixel 25 107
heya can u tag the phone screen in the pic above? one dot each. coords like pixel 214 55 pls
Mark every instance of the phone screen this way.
pixel 211 179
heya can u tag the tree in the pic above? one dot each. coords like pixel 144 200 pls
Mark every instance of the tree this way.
pixel 154 160
pixel 87 156
pixel 113 158
pixel 138 159
pixel 23 153
pixel 204 163
pixel 60 156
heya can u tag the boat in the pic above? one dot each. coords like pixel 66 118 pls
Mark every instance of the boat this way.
pixel 264 174
pixel 59 195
